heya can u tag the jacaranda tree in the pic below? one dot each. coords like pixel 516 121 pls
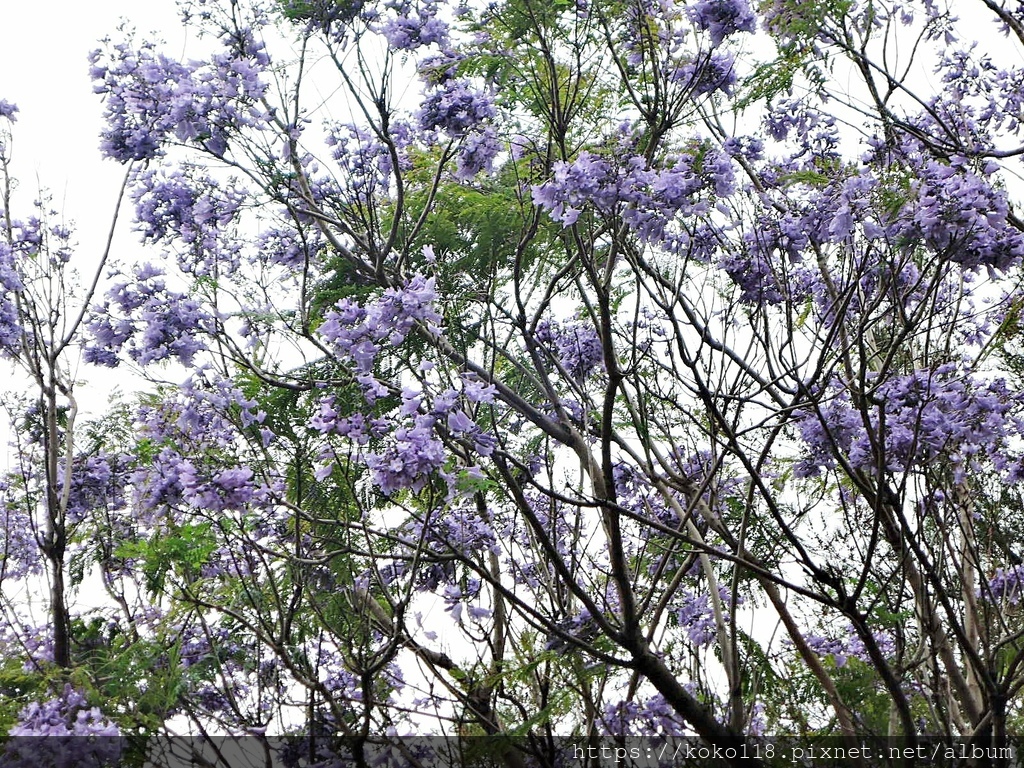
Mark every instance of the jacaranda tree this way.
pixel 539 371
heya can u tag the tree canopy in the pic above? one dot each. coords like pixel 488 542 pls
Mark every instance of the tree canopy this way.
pixel 534 374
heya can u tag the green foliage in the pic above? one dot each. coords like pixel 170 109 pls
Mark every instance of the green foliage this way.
pixel 181 550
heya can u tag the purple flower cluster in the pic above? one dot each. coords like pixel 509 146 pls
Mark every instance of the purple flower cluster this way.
pixel 24 639
pixel 1006 585
pixel 172 208
pixel 753 272
pixel 19 549
pixel 412 454
pixel 10 284
pixel 366 160
pixel 456 108
pixel 69 714
pixel 289 248
pixel 575 345
pixel 653 716
pixel 706 74
pixel 151 99
pixel 411 29
pixel 927 414
pixel 721 18
pixel 849 646
pixel 459 528
pixel 204 418
pixel 960 213
pixel 458 111
pixel 477 154
pixel 7 110
pixel 97 483
pixel 357 333
pixel 155 323
pixel 228 489
pixel 647 198
pixel 697 617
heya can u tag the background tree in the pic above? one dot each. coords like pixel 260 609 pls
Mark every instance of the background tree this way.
pixel 559 370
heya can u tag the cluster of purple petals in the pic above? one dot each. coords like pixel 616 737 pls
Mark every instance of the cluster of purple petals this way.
pixel 151 99
pixel 575 345
pixel 228 489
pixel 408 449
pixel 413 452
pixel 927 414
pixel 696 616
pixel 356 427
pixel 849 646
pixel 198 643
pixel 477 153
pixel 455 107
pixel 960 213
pixel 366 160
pixel 195 422
pixel 288 247
pixel 458 596
pixel 97 483
pixel 653 716
pixel 10 285
pixel 458 528
pixel 19 549
pixel 411 28
pixel 1006 585
pixel 357 333
pixel 460 111
pixel 721 18
pixel 154 322
pixel 23 639
pixel 647 198
pixel 67 714
pixel 172 208
pixel 171 481
pixel 634 492
pixel 706 74
pixel 8 110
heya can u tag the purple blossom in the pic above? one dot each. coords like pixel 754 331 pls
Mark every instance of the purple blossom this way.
pixel 575 345
pixel 653 716
pixel 928 414
pixel 158 323
pixel 959 212
pixel 713 72
pixel 7 110
pixel 76 735
pixel 456 108
pixel 358 334
pixel 97 483
pixel 407 33
pixel 151 99
pixel 849 646
pixel 1006 585
pixel 649 199
pixel 229 489
pixel 477 154
pixel 697 618
pixel 193 213
pixel 366 160
pixel 10 284
pixel 722 18
pixel 19 548
pixel 412 454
